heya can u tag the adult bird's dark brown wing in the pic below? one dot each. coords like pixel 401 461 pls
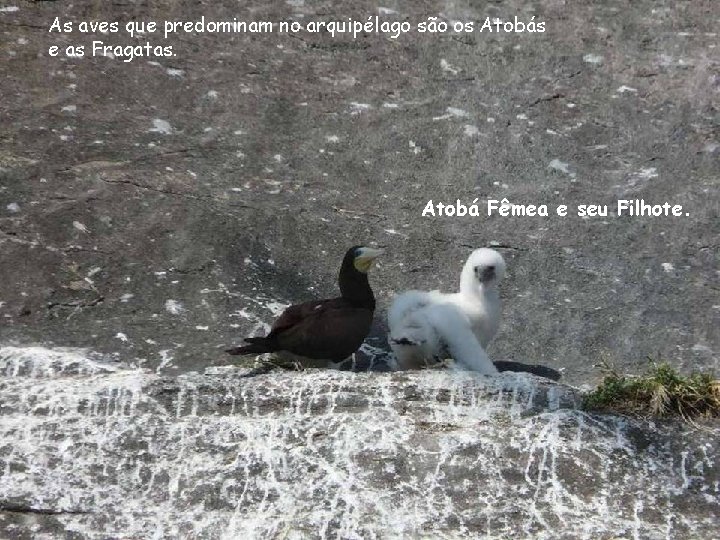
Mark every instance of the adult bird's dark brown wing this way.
pixel 323 329
pixel 332 330
pixel 295 314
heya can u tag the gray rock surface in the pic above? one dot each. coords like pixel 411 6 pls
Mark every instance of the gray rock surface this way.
pixel 113 452
pixel 155 212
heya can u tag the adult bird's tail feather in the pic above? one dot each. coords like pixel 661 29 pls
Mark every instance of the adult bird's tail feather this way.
pixel 258 345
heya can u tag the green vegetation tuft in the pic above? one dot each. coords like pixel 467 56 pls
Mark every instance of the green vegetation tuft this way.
pixel 661 391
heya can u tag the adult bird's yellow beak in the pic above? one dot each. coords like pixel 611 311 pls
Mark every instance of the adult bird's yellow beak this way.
pixel 366 257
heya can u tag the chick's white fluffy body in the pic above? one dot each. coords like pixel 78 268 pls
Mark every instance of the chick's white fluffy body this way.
pixel 426 327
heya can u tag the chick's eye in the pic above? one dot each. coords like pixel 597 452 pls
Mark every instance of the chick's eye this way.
pixel 491 267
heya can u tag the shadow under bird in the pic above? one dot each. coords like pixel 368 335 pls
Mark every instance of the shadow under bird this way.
pixel 318 332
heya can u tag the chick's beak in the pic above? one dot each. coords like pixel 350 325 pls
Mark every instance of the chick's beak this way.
pixel 488 273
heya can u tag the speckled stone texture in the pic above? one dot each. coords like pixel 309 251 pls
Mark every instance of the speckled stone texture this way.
pixel 89 450
pixel 157 211
pixel 237 173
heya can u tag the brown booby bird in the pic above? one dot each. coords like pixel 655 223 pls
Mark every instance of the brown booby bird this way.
pixel 321 331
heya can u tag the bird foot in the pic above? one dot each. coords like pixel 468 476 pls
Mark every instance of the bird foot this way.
pixel 439 363
pixel 270 361
pixel 297 366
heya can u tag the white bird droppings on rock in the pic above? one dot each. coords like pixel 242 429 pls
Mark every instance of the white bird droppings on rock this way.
pixel 593 58
pixel 445 66
pixel 624 89
pixel 174 307
pixel 80 227
pixel 161 126
pixel 395 460
pixel 452 112
pixel 561 166
pixel 357 108
pixel 13 207
pixel 650 172
pixel 165 358
pixel 700 348
pixel 639 178
pixel 668 267
pixel 276 308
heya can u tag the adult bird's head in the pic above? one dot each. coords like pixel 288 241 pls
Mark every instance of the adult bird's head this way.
pixel 353 279
pixel 362 257
pixel 485 267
